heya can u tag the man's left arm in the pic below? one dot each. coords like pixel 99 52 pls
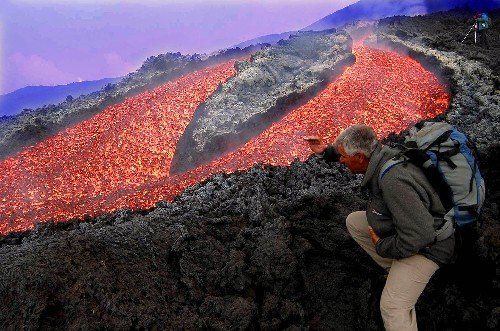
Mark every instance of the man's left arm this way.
pixel 412 221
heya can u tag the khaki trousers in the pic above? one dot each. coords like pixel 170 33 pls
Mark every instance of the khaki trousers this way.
pixel 406 280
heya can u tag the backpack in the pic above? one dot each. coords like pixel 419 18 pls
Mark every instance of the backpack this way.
pixel 483 22
pixel 448 160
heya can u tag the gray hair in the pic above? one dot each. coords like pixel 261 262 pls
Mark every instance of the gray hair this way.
pixel 357 138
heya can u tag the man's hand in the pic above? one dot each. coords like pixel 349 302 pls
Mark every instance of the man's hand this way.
pixel 375 238
pixel 316 144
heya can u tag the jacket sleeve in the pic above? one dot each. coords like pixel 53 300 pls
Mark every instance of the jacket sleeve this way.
pixel 330 154
pixel 413 222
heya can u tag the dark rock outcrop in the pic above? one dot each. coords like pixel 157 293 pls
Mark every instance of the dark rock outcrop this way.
pixel 266 248
pixel 263 90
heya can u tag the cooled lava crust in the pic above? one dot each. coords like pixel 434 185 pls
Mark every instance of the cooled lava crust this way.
pixel 264 248
pixel 263 90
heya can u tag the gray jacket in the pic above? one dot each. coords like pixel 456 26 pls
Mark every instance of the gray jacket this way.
pixel 405 210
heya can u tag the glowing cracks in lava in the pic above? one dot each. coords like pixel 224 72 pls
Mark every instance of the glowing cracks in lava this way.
pixel 121 157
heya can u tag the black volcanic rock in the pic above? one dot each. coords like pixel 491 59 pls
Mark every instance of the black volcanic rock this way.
pixel 261 249
pixel 239 251
pixel 263 90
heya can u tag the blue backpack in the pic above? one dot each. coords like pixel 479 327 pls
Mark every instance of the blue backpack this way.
pixel 483 22
pixel 448 160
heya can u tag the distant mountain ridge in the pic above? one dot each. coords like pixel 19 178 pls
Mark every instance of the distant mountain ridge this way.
pixel 374 10
pixel 37 96
pixel 34 97
pixel 268 39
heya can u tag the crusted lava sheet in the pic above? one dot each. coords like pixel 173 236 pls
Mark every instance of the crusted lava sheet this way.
pixel 276 80
pixel 383 89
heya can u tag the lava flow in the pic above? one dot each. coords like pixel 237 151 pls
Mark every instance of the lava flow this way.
pixel 121 157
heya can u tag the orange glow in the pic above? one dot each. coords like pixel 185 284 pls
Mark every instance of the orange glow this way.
pixel 121 157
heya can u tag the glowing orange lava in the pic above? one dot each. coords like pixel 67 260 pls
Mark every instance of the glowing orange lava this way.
pixel 121 157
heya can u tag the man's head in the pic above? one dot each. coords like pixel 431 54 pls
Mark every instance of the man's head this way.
pixel 355 145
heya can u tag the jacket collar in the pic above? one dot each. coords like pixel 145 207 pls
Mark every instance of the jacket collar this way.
pixel 378 157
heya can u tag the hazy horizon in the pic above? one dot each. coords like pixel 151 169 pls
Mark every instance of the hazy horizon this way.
pixel 57 42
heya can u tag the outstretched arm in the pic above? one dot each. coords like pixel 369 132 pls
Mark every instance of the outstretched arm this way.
pixel 317 145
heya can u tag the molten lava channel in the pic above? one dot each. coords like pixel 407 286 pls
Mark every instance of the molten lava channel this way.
pixel 120 158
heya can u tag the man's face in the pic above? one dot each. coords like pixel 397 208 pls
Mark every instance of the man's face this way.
pixel 357 163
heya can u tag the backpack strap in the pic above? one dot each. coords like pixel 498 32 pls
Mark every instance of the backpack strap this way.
pixel 389 164
pixel 445 231
pixel 447 228
pixel 439 140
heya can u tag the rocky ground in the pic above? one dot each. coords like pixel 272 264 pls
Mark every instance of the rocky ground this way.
pixel 264 89
pixel 261 249
pixel 34 125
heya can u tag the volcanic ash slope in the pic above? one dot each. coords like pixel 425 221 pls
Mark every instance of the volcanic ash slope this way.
pixel 263 90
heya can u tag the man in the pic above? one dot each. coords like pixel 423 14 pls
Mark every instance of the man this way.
pixel 483 23
pixel 397 229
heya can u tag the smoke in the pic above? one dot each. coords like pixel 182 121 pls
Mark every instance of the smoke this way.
pixel 378 9
pixel 440 5
pixel 116 64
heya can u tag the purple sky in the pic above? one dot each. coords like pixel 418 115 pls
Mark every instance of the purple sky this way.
pixel 51 42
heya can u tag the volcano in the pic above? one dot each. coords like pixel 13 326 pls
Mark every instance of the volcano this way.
pixel 261 248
